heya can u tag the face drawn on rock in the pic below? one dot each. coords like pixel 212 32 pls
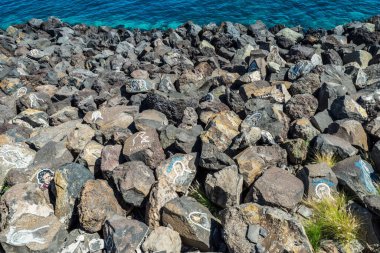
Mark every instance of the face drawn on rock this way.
pixel 72 247
pixel 44 177
pixel 322 191
pixel 96 115
pixel 13 157
pixel 25 236
pixel 200 219
pixel 177 170
pixel 254 118
pixel 34 100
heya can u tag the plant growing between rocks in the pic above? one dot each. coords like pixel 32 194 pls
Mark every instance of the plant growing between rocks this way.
pixel 329 159
pixel 331 221
pixel 196 191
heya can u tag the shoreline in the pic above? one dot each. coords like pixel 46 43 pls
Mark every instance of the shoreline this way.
pixel 216 138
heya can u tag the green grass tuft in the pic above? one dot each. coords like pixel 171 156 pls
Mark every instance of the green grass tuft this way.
pixel 4 189
pixel 199 195
pixel 329 159
pixel 332 221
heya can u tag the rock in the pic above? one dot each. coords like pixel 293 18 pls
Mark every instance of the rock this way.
pixel 79 137
pixel 66 114
pixel 211 158
pixel 133 180
pixel 297 150
pixel 289 34
pixel 178 171
pixel 372 202
pixel 14 156
pixel 123 235
pixel 31 118
pixel 180 139
pixel 68 182
pixel 302 128
pixel 110 159
pixel 308 83
pixel 345 107
pixel 301 106
pixel 224 187
pixel 191 220
pixel 375 154
pixel 91 156
pixel 78 241
pixel 362 57
pixel 139 85
pixel 242 222
pixel 247 138
pixel 144 146
pixel 373 128
pixel 111 117
pixel 321 120
pixel 352 131
pixel 278 187
pixel 162 239
pixel 356 176
pixel 150 119
pixel 160 194
pixel 97 203
pixel 331 56
pixel 319 180
pixel 33 233
pixel 253 160
pixel 53 154
pixel 300 69
pixel 221 129
pixel 326 144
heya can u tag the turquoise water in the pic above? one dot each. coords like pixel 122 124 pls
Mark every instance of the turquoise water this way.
pixel 147 14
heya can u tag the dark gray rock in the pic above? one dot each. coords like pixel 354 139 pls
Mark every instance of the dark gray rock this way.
pixel 321 120
pixel 345 107
pixel 301 106
pixel 211 158
pixel 301 68
pixel 327 144
pixel 375 154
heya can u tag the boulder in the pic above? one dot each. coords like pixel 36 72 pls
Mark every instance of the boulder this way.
pixel 345 107
pixel 361 57
pixel 326 144
pixel 150 119
pixel 352 131
pixel 278 187
pixel 97 203
pixel 162 239
pixel 110 159
pixel 211 158
pixel 301 106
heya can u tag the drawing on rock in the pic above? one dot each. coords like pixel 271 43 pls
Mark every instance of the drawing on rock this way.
pixel 365 175
pixel 34 100
pixel 316 181
pixel 72 247
pixel 138 85
pixel 267 137
pixel 322 190
pixel 176 169
pixel 254 118
pixel 143 138
pixel 34 52
pixel 25 236
pixel 200 219
pixel 21 92
pixel 95 116
pixel 44 177
pixel 13 157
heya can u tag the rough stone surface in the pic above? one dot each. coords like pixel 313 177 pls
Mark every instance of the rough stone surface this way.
pixel 162 239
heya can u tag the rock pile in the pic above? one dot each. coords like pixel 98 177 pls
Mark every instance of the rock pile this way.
pixel 105 131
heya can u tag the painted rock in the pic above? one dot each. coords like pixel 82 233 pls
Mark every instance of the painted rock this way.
pixel 97 203
pixel 133 180
pixel 78 241
pixel 194 223
pixel 144 146
pixel 111 117
pixel 68 182
pixel 179 171
pixel 123 235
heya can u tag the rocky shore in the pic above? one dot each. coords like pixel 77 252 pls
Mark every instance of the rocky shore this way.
pixel 211 139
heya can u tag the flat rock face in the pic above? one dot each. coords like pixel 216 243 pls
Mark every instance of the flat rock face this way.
pixel 97 203
pixel 191 220
pixel 178 171
pixel 279 188
pixel 13 156
pixel 250 226
pixel 68 182
pixel 144 146
pixel 109 117
pixel 327 144
pixel 123 235
pixel 162 239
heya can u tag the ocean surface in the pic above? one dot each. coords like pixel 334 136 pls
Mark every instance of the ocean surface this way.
pixel 147 14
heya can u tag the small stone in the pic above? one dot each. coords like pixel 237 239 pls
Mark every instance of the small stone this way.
pixel 162 239
pixel 302 128
pixel 144 146
pixel 278 187
pixel 345 107
pixel 253 160
pixel 91 155
pixel 224 187
pixel 97 203
pixel 300 69
pixel 221 129
pixel 150 119
pixel 133 180
pixel 123 235
pixel 326 144
pixel 362 57
pixel 110 159
pixel 253 233
pixel 301 106
pixel 321 120
pixel 290 34
pixel 178 171
pixel 191 220
pixel 211 158
pixel 68 182
pixel 297 150
pixel 78 139
pixel 139 85
pixel 78 240
pixel 183 140
pixel 308 83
